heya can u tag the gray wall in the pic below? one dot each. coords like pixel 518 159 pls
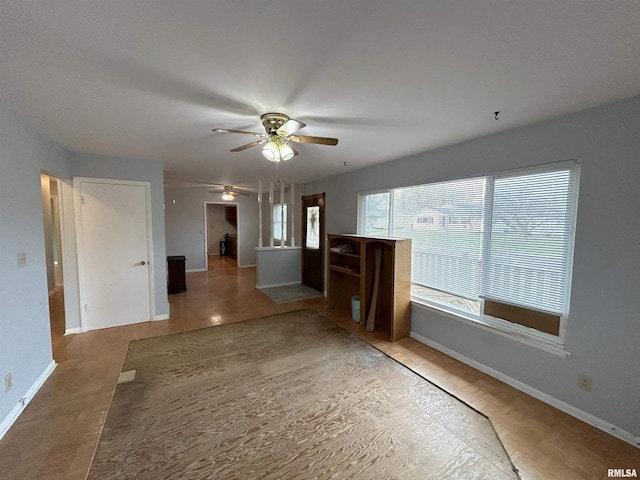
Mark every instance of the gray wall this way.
pixel 603 334
pixel 278 266
pixel 25 339
pixel 185 225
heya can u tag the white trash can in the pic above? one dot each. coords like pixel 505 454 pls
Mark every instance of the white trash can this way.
pixel 355 308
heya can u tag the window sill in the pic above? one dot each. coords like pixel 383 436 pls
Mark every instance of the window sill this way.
pixel 514 332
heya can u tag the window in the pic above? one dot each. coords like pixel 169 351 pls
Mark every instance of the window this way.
pixel 446 253
pixel 313 227
pixel 496 248
pixel 529 244
pixel 376 221
pixel 280 222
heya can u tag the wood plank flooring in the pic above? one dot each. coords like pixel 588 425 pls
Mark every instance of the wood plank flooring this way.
pixel 56 436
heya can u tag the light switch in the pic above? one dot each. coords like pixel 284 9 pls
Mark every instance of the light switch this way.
pixel 22 260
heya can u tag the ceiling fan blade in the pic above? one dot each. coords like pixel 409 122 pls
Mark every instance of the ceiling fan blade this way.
pixel 289 127
pixel 295 152
pixel 318 140
pixel 226 130
pixel 248 145
pixel 230 192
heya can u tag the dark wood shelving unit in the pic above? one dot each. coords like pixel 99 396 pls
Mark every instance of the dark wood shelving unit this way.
pixel 352 273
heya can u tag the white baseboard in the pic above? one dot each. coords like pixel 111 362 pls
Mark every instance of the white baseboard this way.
pixel 164 316
pixel 548 399
pixel 284 284
pixel 193 270
pixel 72 331
pixel 10 419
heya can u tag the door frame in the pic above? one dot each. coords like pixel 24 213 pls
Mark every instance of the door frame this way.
pixel 82 276
pixel 54 213
pixel 62 244
pixel 303 233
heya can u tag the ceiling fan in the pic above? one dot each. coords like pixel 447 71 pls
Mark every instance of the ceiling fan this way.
pixel 228 192
pixel 279 132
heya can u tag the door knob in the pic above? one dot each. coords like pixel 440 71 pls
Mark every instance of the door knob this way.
pixel 142 263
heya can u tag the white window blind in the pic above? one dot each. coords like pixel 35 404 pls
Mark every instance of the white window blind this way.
pixel 506 238
pixel 528 253
pixel 446 249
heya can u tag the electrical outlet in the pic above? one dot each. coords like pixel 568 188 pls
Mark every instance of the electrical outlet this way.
pixel 584 382
pixel 22 260
pixel 8 382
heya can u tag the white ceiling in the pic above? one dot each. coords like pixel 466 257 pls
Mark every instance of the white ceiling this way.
pixel 150 79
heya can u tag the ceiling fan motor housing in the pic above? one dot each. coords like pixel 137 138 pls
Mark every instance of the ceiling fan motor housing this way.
pixel 273 121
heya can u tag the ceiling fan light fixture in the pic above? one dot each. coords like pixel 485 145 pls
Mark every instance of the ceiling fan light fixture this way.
pixel 227 195
pixel 271 151
pixel 286 152
pixel 279 131
pixel 276 150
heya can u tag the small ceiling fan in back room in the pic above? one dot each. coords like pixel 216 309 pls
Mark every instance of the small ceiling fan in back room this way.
pixel 229 192
pixel 279 133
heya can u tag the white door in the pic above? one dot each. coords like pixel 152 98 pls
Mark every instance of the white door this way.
pixel 113 252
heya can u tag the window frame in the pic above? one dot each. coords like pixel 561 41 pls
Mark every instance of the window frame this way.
pixel 531 336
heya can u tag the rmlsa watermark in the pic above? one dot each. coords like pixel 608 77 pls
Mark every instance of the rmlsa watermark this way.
pixel 622 473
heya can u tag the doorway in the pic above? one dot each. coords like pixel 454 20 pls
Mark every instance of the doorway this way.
pixel 51 189
pixel 221 227
pixel 312 241
pixel 114 252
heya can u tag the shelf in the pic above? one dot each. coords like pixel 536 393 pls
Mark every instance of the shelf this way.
pixel 348 271
pixel 378 271
pixel 346 254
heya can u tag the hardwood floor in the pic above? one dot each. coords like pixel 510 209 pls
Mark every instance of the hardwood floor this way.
pixel 56 436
